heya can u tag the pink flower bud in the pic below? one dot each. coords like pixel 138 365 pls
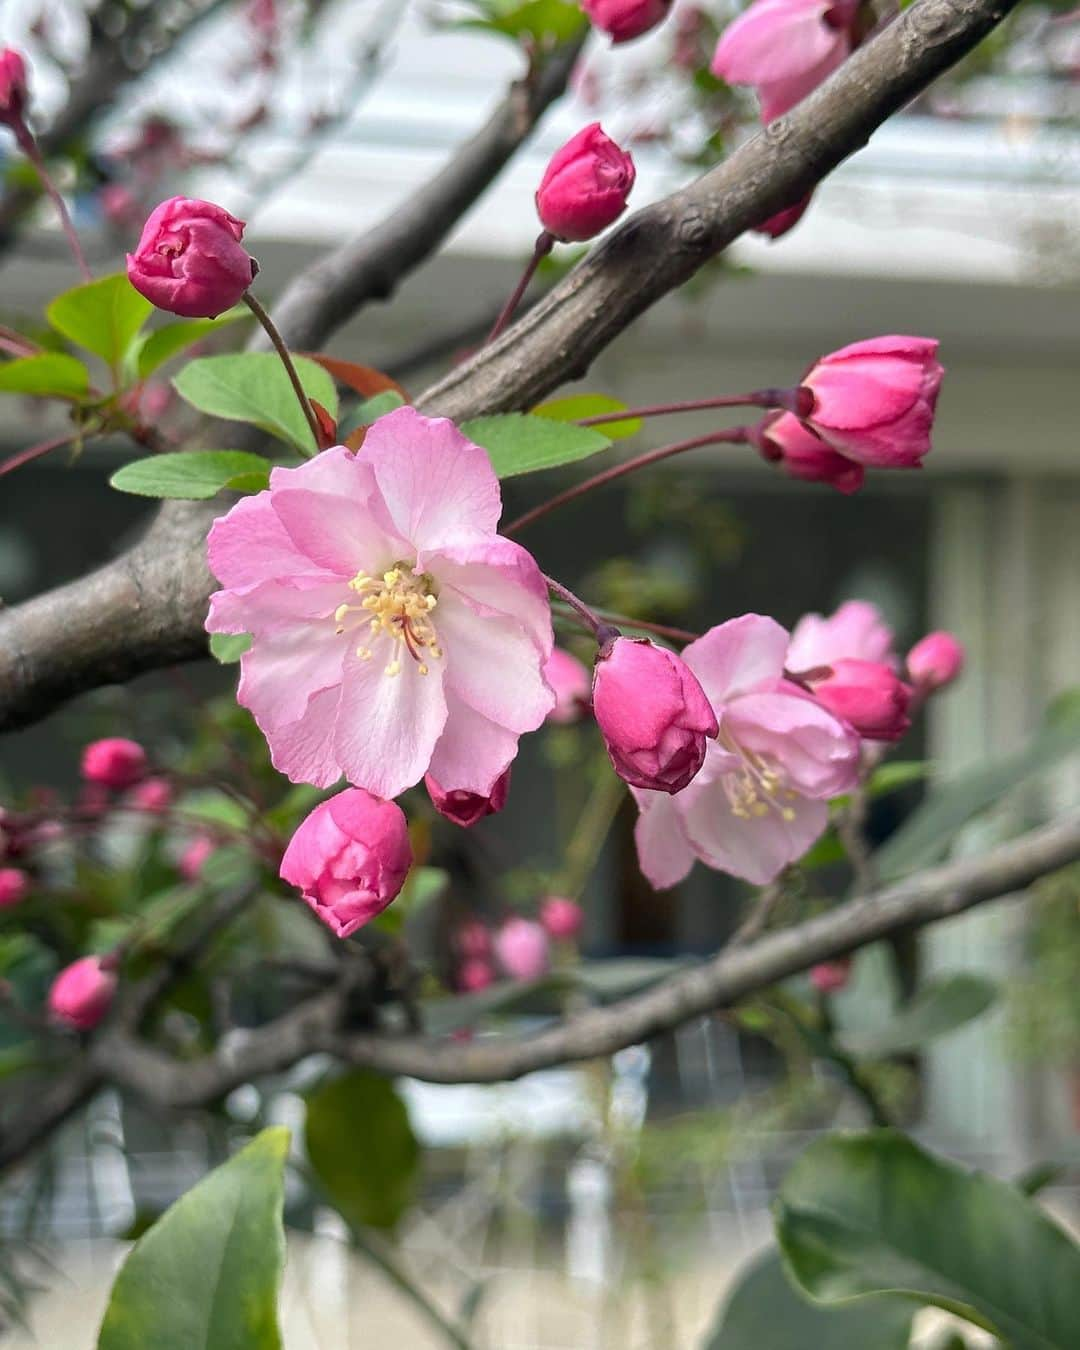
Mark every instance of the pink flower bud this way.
pixel 935 661
pixel 119 205
pixel 585 187
pixel 189 260
pixel 874 401
pixel 562 918
pixel 474 975
pixel 522 948
pixel 14 883
pixel 868 696
pixel 350 858
pixel 570 681
pixel 14 90
pixel 473 939
pixel 652 713
pixel 778 225
pixel 194 857
pixel 466 808
pixel 83 992
pixel 624 20
pixel 829 977
pixel 114 763
pixel 153 795
pixel 783 439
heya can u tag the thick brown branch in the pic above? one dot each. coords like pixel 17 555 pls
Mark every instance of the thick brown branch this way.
pixel 728 977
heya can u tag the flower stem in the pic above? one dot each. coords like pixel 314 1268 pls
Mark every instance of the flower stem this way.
pixel 29 146
pixel 730 436
pixel 290 369
pixel 16 461
pixel 792 400
pixel 592 621
pixel 544 244
pixel 660 629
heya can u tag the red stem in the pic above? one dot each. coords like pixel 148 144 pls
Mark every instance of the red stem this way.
pixel 35 452
pixel 282 350
pixel 591 620
pixel 759 398
pixel 730 436
pixel 544 244
pixel 29 147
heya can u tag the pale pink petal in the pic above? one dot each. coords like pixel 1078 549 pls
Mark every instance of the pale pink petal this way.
pixel 737 656
pixel 310 602
pixel 249 545
pixel 388 725
pixel 493 665
pixel 664 852
pixel 473 752
pixel 817 755
pixel 342 534
pixel 856 631
pixel 497 576
pixel 439 488
pixel 304 750
pixel 285 668
pixel 756 849
pixel 784 46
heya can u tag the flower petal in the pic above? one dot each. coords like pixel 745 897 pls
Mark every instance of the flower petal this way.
pixel 737 656
pixel 249 544
pixel 497 576
pixel 756 849
pixel 817 753
pixel 664 852
pixel 304 750
pixel 473 752
pixel 493 665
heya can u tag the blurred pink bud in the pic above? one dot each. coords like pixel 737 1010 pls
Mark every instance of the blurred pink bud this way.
pixel 154 401
pixel 14 90
pixel 522 948
pixel 624 20
pixel 350 858
pixel 874 401
pixel 785 220
pixel 14 884
pixel 153 795
pixel 119 205
pixel 474 975
pixel 784 440
pixel 585 187
pixel 829 977
pixel 652 713
pixel 570 681
pixel 114 763
pixel 466 808
pixel 189 260
pixel 561 917
pixel 194 857
pixel 935 661
pixel 472 939
pixel 83 992
pixel 868 696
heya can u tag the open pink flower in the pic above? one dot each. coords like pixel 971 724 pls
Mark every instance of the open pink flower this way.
pixel 761 797
pixel 394 632
pixel 785 49
pixel 855 632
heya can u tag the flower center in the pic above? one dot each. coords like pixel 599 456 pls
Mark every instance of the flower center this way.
pixel 397 605
pixel 757 787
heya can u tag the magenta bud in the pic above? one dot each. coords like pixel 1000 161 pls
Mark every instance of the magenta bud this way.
pixel 83 992
pixel 652 713
pixel 586 186
pixel 189 260
pixel 829 977
pixel 522 948
pixel 153 795
pixel 466 808
pixel 114 762
pixel 475 974
pixel 14 90
pixel 473 939
pixel 624 20
pixel 561 917
pixel 14 884
pixel 868 696
pixel 935 661
pixel 782 439
pixel 349 858
pixel 194 857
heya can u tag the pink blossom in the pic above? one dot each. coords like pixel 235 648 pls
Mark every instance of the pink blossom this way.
pixel 624 20
pixel 570 681
pixel 83 992
pixel 395 633
pixel 561 917
pixel 585 187
pixel 829 977
pixel 14 884
pixel 189 259
pixel 153 795
pixel 783 439
pixel 350 858
pixel 856 631
pixel 473 939
pixel 14 91
pixel 935 661
pixel 868 696
pixel 522 948
pixel 652 714
pixel 778 224
pixel 114 762
pixel 474 975
pixel 785 49
pixel 761 798
pixel 874 401
pixel 466 808
pixel 194 857
pixel 119 205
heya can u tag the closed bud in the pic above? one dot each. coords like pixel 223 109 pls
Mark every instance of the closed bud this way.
pixel 466 808
pixel 114 762
pixel 868 696
pixel 784 440
pixel 473 939
pixel 522 948
pixel 14 884
pixel 829 977
pixel 475 974
pixel 652 713
pixel 153 795
pixel 935 661
pixel 83 992
pixel 190 260
pixel 194 857
pixel 561 917
pixel 349 858
pixel 586 186
pixel 624 20
pixel 13 86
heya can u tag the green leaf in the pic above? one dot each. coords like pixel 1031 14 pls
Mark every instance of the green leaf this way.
pixel 253 387
pixel 873 1213
pixel 378 406
pixel 578 406
pixel 764 1311
pixel 103 316
pixel 939 1007
pixel 193 475
pixel 168 341
pixel 206 1275
pixel 896 774
pixel 228 648
pixel 523 443
pixel 553 20
pixel 1037 1178
pixel 49 375
pixel 362 1148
